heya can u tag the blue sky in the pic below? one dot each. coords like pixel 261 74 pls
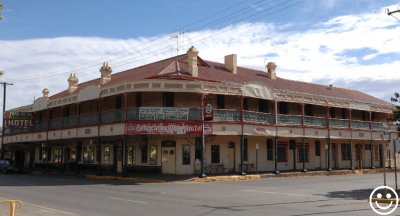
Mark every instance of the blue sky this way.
pixel 351 44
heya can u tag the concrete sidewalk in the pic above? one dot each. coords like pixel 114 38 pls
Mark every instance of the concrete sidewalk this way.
pixel 162 178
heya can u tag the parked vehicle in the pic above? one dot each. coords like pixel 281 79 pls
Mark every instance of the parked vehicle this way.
pixel 7 166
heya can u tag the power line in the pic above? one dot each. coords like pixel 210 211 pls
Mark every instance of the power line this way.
pixel 117 61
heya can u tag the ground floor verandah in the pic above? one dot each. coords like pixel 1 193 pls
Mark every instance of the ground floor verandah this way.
pixel 182 154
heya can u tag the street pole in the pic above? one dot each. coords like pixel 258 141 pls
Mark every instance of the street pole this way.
pixel 384 157
pixel 395 163
pixel 4 120
pixel 202 173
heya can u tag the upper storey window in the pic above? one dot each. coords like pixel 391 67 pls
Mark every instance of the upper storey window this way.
pixel 168 99
pixel 283 108
pixel 220 102
pixel 263 106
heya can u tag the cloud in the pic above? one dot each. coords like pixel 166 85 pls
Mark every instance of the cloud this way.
pixel 355 51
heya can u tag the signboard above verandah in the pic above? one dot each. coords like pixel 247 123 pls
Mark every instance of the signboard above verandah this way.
pixel 185 128
pixel 163 113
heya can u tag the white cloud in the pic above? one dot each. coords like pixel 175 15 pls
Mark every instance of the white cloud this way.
pixel 314 54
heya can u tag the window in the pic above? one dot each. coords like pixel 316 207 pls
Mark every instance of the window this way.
pixel 118 102
pixel 333 151
pixel 282 152
pixel 332 112
pixel 197 149
pixel 220 102
pixel 245 150
pixel 57 155
pixel 143 149
pixel 283 108
pixel 300 154
pixel 107 154
pixel 317 148
pixel 185 154
pixel 263 106
pixel 153 155
pixel 168 99
pixel 346 151
pixel 344 113
pixel 88 154
pixel 66 111
pixel 131 154
pixel 376 152
pixel 367 147
pixel 215 154
pixel 246 103
pixel 138 99
pixel 270 150
pixel 72 155
pixel 308 110
pixel 364 115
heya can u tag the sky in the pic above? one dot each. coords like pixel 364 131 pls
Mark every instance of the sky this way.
pixel 351 44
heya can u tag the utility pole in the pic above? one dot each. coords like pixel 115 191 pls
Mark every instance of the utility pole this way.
pixel 390 13
pixel 4 111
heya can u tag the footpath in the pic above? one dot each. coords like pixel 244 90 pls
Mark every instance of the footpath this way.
pixel 159 178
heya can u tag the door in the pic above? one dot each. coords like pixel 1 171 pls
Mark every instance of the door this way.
pixel 19 159
pixel 168 157
pixel 119 158
pixel 231 156
pixel 359 156
pixel 334 155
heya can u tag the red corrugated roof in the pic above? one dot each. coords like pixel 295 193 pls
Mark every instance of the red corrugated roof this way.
pixel 176 68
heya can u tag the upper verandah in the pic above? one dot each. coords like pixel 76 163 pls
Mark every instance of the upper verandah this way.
pixel 190 67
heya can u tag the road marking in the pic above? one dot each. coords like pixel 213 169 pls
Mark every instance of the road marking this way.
pixel 287 194
pixel 51 209
pixel 127 200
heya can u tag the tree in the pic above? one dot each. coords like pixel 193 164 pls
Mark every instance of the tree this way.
pixel 396 100
pixel 1 8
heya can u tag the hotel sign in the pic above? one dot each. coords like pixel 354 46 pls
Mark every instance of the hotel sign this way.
pixel 18 119
pixel 185 128
pixel 163 113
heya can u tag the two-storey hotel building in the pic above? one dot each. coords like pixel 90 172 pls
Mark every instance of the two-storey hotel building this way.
pixel 169 115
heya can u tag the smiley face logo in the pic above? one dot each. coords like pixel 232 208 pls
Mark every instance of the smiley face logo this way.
pixel 386 195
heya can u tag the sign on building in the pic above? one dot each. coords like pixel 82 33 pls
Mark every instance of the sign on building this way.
pixel 163 113
pixel 18 119
pixel 186 128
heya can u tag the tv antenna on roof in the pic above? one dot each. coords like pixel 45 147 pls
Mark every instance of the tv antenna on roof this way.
pixel 177 36
pixel 390 13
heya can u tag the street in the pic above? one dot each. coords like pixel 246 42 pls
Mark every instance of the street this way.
pixel 295 196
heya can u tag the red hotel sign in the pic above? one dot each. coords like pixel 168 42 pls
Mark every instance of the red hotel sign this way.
pixel 186 128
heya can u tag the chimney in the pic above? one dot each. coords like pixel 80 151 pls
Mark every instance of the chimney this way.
pixel 271 66
pixel 192 61
pixel 45 93
pixel 231 63
pixel 105 71
pixel 72 83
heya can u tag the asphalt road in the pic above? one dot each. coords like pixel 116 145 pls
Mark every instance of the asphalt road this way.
pixel 295 196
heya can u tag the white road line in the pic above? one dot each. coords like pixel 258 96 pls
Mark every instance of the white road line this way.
pixel 43 207
pixel 51 209
pixel 127 200
pixel 287 194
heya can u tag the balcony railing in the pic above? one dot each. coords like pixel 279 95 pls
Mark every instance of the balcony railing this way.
pixel 71 121
pixel 55 123
pixel 339 123
pixel 315 121
pixel 289 120
pixel 376 125
pixel 113 116
pixel 40 126
pixel 89 119
pixel 265 118
pixel 226 115
pixel 360 124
